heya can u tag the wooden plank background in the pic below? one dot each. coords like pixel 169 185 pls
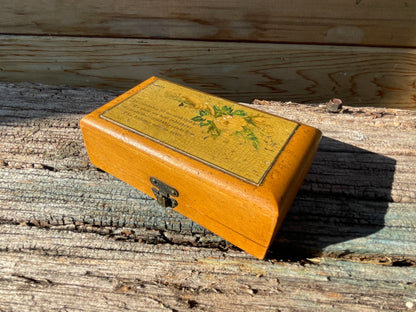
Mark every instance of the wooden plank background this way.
pixel 74 238
pixel 360 51
pixel 375 76
pixel 358 22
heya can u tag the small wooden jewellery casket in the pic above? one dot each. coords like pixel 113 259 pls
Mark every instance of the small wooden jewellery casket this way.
pixel 233 169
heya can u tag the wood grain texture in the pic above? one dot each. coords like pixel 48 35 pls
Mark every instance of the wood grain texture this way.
pixel 74 238
pixel 355 197
pixel 381 23
pixel 238 71
pixel 60 270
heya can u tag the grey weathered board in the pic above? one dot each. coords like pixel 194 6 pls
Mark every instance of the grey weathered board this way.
pixel 74 238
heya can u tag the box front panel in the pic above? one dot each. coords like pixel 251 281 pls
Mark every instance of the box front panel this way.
pixel 213 199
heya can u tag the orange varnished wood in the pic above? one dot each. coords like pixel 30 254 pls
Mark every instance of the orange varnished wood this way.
pixel 243 213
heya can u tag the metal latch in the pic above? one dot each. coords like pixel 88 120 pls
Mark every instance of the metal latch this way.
pixel 163 193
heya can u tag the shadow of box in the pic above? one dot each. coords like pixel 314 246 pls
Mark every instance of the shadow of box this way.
pixel 344 196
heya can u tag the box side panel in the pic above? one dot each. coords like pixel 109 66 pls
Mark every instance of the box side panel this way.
pixel 293 164
pixel 242 241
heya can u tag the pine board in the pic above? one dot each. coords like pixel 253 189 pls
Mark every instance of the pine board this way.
pixel 360 76
pixel 379 23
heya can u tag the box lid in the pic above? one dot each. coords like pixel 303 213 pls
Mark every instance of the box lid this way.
pixel 238 140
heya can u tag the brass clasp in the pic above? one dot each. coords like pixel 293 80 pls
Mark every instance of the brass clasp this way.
pixel 163 193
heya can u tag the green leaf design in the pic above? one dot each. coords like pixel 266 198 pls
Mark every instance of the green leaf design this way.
pixel 222 111
pixel 250 120
pixel 214 130
pixel 217 111
pixel 239 113
pixel 204 112
pixel 198 119
pixel 256 144
pixel 226 110
pixel 248 133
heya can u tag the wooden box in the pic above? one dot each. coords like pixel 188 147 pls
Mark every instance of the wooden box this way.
pixel 232 169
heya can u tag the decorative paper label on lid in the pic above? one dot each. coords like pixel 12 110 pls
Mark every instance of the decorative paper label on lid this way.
pixel 234 138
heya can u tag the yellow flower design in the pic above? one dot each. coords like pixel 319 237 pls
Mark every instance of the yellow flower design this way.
pixel 197 104
pixel 231 123
pixel 225 119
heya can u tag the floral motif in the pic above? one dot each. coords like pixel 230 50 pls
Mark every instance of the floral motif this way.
pixel 223 120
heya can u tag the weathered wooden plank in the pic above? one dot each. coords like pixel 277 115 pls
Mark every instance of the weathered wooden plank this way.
pixel 60 270
pixel 74 238
pixel 383 22
pixel 238 71
pixel 358 198
pixel 95 202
